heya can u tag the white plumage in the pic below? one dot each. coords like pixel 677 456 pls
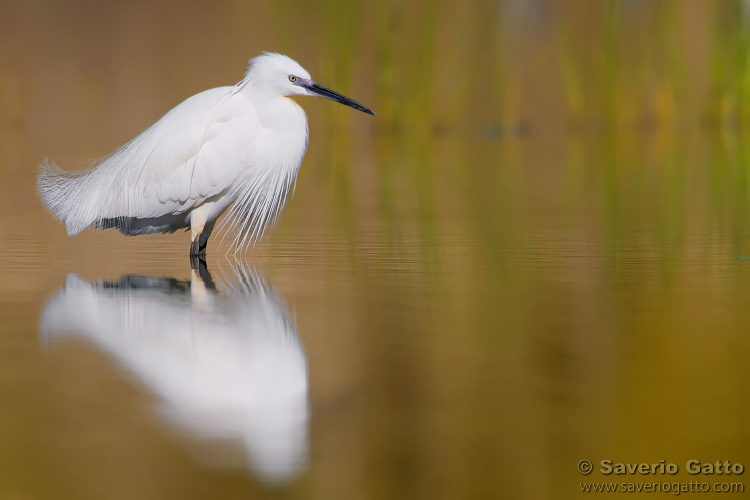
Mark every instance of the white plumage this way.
pixel 240 145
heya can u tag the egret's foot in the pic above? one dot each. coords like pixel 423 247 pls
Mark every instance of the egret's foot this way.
pixel 196 250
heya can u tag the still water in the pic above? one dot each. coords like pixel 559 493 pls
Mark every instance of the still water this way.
pixel 445 316
pixel 538 253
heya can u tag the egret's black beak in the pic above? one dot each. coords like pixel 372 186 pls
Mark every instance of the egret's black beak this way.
pixel 335 96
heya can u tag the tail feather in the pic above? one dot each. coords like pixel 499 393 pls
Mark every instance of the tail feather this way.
pixel 64 195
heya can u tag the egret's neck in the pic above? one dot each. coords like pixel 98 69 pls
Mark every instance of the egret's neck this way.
pixel 282 136
pixel 276 111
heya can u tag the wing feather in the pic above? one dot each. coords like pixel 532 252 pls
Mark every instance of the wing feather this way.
pixel 191 154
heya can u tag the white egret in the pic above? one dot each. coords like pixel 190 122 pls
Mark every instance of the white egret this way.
pixel 238 146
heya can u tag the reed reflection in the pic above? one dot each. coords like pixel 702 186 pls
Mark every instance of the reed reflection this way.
pixel 226 362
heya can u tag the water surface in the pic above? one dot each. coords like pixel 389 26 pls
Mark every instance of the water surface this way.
pixel 475 330
pixel 464 299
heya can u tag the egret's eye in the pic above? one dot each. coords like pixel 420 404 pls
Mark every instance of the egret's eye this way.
pixel 292 78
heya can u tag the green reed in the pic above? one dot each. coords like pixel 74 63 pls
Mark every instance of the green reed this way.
pixel 444 64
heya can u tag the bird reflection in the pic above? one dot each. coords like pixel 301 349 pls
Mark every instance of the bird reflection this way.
pixel 227 363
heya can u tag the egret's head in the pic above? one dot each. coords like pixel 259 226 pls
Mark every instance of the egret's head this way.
pixel 276 73
pixel 282 75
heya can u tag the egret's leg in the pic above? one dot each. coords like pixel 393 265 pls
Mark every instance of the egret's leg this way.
pixel 203 237
pixel 200 230
pixel 198 245
pixel 195 247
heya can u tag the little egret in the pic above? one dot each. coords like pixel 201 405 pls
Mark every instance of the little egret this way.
pixel 238 146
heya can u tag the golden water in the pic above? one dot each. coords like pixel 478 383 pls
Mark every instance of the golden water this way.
pixel 478 309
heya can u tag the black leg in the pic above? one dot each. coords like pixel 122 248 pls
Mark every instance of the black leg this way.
pixel 198 249
pixel 194 248
pixel 199 244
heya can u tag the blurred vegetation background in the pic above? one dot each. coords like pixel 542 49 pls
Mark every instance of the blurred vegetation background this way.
pixel 466 90
pixel 486 109
pixel 483 65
